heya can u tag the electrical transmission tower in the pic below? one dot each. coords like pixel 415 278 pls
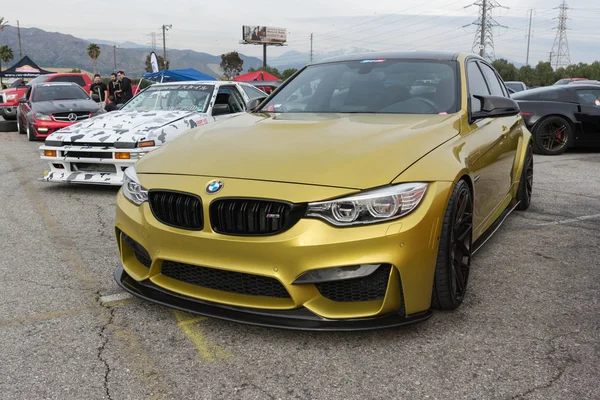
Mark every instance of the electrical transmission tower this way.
pixel 153 40
pixel 483 44
pixel 559 57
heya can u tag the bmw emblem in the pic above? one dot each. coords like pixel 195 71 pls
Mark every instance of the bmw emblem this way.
pixel 214 186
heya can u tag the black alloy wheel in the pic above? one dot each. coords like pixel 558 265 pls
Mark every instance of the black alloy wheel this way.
pixel 552 136
pixel 455 250
pixel 526 182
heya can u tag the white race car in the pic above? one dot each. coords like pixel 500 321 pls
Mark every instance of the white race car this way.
pixel 98 150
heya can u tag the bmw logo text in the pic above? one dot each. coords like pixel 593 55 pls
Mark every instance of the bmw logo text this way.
pixel 214 186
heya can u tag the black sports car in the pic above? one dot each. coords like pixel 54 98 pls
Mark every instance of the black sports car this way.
pixel 561 116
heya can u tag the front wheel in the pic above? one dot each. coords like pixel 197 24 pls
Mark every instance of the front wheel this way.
pixel 454 253
pixel 19 125
pixel 552 136
pixel 30 134
pixel 526 182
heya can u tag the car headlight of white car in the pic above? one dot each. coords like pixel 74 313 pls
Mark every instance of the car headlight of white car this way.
pixel 371 206
pixel 132 189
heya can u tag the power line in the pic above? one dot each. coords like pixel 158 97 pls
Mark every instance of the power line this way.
pixel 560 49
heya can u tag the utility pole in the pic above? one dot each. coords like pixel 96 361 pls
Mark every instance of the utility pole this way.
pixel 311 47
pixel 164 33
pixel 19 35
pixel 483 42
pixel 560 48
pixel 115 56
pixel 529 36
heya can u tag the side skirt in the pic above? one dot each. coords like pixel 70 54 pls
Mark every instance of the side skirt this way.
pixel 487 235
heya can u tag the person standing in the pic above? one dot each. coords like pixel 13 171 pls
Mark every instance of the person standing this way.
pixel 125 92
pixel 99 91
pixel 113 86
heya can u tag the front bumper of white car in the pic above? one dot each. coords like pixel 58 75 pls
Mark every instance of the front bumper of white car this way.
pixel 89 165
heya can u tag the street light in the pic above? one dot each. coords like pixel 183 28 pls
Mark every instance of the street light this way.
pixel 115 56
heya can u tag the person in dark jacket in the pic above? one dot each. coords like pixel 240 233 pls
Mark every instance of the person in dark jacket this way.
pixel 113 86
pixel 125 93
pixel 110 106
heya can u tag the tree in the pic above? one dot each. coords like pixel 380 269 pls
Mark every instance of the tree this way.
pixel 507 70
pixel 76 70
pixel 93 51
pixel 6 54
pixel 544 74
pixel 3 23
pixel 231 64
pixel 161 63
pixel 288 72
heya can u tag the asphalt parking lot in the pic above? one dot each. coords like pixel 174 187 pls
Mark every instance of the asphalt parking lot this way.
pixel 529 329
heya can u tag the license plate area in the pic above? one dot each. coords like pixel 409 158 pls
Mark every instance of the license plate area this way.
pixel 85 167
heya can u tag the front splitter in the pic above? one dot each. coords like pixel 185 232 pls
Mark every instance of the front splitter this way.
pixel 298 319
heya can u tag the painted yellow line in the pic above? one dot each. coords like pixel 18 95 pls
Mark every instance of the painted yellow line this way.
pixel 208 350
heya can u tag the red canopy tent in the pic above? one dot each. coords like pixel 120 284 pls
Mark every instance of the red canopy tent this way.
pixel 256 76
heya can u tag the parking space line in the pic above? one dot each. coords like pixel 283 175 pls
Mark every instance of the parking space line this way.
pixel 566 221
pixel 208 350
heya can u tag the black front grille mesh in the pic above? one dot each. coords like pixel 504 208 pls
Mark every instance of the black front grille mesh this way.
pixel 226 281
pixel 372 287
pixel 252 216
pixel 181 210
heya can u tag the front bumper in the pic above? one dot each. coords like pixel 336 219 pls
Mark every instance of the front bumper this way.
pixel 42 129
pixel 409 245
pixel 89 165
pixel 296 319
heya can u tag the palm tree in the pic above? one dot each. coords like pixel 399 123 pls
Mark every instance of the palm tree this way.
pixel 3 23
pixel 93 51
pixel 6 54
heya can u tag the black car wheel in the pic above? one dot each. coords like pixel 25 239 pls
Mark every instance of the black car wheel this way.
pixel 30 134
pixel 19 125
pixel 552 136
pixel 526 181
pixel 454 253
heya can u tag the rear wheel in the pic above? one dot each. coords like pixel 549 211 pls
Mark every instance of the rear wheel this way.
pixel 526 181
pixel 552 136
pixel 454 253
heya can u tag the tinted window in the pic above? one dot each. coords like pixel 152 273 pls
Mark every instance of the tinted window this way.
pixel 49 93
pixel 492 80
pixel 589 96
pixel 67 78
pixel 517 87
pixel 477 85
pixel 253 92
pixel 389 86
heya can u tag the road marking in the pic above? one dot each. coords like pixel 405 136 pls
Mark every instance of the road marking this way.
pixel 566 221
pixel 112 298
pixel 207 349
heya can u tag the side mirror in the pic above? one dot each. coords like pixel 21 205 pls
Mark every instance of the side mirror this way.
pixel 23 100
pixel 254 103
pixel 495 106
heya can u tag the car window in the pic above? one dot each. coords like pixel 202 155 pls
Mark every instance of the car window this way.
pixel 70 78
pixel 253 93
pixel 53 92
pixel 589 96
pixel 477 85
pixel 230 95
pixel 492 80
pixel 386 86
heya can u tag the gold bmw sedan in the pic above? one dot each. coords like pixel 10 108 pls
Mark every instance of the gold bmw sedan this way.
pixel 351 198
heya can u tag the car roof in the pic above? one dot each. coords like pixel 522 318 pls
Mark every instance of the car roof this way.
pixel 217 83
pixel 407 55
pixel 55 84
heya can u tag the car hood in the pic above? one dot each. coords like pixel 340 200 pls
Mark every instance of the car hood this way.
pixel 355 151
pixel 130 126
pixel 61 106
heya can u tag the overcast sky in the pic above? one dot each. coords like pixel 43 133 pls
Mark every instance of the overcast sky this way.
pixel 215 27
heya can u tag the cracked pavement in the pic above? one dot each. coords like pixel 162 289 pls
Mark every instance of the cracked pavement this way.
pixel 529 328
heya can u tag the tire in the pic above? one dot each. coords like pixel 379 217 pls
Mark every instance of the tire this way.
pixel 8 117
pixel 552 136
pixel 449 288
pixel 19 126
pixel 30 135
pixel 526 181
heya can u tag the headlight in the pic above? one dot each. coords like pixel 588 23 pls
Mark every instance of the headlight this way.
pixel 42 117
pixel 370 207
pixel 132 189
pixel 11 97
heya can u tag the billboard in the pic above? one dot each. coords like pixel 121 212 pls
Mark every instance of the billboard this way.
pixel 263 34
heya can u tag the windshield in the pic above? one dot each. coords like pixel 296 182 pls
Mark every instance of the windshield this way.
pixel 55 92
pixel 172 98
pixel 517 87
pixel 371 86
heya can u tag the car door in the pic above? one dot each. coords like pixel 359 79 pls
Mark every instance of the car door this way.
pixel 588 114
pixel 25 108
pixel 490 146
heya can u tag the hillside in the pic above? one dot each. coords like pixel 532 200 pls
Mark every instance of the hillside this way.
pixel 55 49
